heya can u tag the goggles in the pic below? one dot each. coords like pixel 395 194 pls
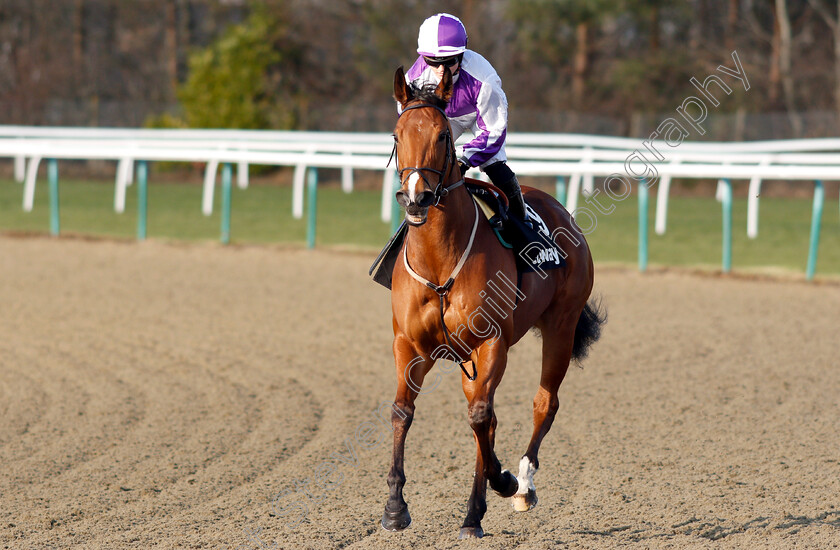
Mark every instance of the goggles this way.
pixel 436 62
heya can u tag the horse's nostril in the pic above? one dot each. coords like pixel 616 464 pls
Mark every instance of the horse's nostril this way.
pixel 425 199
pixel 402 199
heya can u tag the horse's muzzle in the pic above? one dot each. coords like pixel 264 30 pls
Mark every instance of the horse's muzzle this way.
pixel 416 216
pixel 424 199
pixel 416 210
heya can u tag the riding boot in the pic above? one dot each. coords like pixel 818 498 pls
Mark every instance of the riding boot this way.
pixel 516 201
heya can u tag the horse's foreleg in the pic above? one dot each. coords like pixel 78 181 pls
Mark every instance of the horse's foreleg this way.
pixel 482 419
pixel 410 373
pixel 557 352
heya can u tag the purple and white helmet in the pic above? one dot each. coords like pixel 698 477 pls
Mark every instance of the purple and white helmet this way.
pixel 442 35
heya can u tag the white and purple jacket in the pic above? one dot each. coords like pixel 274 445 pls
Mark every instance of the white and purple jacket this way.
pixel 478 104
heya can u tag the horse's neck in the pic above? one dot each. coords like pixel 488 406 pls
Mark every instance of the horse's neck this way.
pixel 435 247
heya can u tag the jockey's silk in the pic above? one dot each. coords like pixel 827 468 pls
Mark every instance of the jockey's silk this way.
pixel 478 105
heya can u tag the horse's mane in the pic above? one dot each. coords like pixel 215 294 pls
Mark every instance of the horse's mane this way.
pixel 427 94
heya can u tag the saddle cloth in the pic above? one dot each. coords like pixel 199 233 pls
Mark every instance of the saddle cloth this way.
pixel 533 249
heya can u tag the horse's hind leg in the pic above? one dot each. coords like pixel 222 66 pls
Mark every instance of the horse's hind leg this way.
pixel 557 353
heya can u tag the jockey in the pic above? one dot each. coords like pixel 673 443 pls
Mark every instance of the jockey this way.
pixel 478 102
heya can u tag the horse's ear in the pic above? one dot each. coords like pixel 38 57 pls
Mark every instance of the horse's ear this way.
pixel 402 92
pixel 444 89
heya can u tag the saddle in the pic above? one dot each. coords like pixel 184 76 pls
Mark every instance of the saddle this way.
pixel 533 249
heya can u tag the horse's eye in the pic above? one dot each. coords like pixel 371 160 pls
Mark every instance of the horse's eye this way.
pixel 441 137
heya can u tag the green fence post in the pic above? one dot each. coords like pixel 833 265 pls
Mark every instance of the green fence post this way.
pixel 312 197
pixel 227 171
pixel 55 218
pixel 643 225
pixel 727 225
pixel 560 190
pixel 816 220
pixel 142 199
pixel 396 211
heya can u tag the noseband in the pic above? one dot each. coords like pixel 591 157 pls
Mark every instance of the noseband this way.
pixel 439 190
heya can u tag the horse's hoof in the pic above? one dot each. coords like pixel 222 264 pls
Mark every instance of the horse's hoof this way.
pixel 508 485
pixel 396 521
pixel 471 533
pixel 524 502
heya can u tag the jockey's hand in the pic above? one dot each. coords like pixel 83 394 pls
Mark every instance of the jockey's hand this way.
pixel 464 167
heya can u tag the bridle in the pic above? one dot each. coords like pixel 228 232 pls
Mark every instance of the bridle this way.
pixel 440 191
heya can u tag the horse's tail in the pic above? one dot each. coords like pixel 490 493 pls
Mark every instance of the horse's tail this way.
pixel 588 329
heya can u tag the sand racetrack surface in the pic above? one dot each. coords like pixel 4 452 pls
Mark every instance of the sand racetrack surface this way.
pixel 159 395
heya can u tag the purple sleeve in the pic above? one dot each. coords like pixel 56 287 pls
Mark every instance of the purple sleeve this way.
pixel 491 120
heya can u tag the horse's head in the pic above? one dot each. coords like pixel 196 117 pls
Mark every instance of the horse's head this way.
pixel 424 146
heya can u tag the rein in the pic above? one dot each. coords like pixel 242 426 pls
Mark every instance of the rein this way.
pixel 440 192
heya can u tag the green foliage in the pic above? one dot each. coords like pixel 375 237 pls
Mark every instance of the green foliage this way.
pixel 545 28
pixel 165 121
pixel 548 41
pixel 655 83
pixel 549 37
pixel 168 121
pixel 541 12
pixel 380 50
pixel 229 84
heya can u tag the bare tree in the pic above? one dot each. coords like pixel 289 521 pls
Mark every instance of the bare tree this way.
pixel 834 24
pixel 171 44
pixel 580 64
pixel 785 59
pixel 731 25
pixel 773 39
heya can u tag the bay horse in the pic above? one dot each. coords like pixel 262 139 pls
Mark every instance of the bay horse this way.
pixel 455 273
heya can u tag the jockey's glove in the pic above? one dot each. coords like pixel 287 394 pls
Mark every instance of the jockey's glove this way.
pixel 464 167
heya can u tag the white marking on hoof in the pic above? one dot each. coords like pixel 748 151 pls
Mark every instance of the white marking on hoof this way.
pixel 523 503
pixel 526 476
pixel 526 496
